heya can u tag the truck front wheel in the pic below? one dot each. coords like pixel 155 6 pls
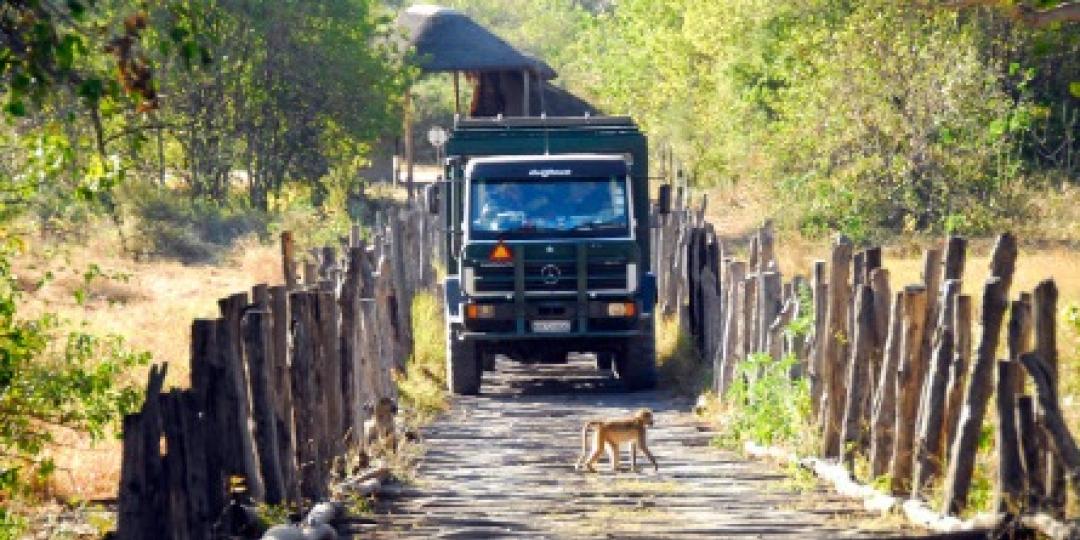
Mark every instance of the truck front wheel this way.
pixel 636 365
pixel 462 365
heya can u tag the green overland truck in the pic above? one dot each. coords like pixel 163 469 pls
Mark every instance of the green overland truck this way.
pixel 547 233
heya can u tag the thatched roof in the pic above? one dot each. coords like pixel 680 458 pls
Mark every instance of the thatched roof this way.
pixel 446 39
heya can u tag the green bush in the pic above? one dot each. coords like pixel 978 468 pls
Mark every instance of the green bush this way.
pixel 52 377
pixel 168 223
pixel 765 405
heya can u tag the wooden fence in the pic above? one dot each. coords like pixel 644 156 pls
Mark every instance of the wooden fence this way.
pixel 893 375
pixel 278 384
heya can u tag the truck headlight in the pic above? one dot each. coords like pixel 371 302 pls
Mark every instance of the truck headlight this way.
pixel 621 309
pixel 480 311
pixel 631 277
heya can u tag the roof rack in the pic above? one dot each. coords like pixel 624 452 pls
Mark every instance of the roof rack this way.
pixel 545 122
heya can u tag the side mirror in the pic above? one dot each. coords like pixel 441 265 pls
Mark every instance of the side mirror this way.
pixel 431 198
pixel 663 199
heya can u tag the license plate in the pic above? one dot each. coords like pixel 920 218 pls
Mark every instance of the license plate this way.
pixel 551 326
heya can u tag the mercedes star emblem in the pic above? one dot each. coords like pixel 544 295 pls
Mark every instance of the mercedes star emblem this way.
pixel 550 274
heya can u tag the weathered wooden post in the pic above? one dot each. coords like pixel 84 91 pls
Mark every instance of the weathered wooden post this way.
pixel 929 450
pixel 856 432
pixel 1045 320
pixel 283 394
pixel 305 386
pixel 143 496
pixel 931 274
pixel 242 457
pixel 879 285
pixel 733 319
pixel 1009 487
pixel 884 415
pixel 817 354
pixel 962 454
pixel 1031 452
pixel 958 369
pixel 328 365
pixel 837 337
pixel 288 259
pixel 1065 449
pixel 769 304
pixel 909 381
pixel 259 358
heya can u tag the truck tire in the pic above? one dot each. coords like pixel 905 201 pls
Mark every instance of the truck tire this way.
pixel 636 366
pixel 462 366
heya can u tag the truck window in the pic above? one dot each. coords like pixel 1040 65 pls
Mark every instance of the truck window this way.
pixel 563 207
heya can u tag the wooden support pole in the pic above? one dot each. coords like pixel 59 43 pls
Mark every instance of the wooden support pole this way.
pixel 909 386
pixel 819 287
pixel 884 414
pixel 856 432
pixel 769 304
pixel 929 450
pixel 1009 487
pixel 879 285
pixel 955 257
pixel 1032 452
pixel 1018 335
pixel 733 320
pixel 1065 449
pixel 836 344
pixel 283 394
pixel 1045 321
pixel 958 369
pixel 242 457
pixel 962 454
pixel 288 259
pixel 259 358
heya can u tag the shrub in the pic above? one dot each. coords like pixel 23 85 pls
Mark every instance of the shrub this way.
pixel 170 224
pixel 765 405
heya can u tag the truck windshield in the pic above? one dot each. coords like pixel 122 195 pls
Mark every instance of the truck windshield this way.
pixel 564 207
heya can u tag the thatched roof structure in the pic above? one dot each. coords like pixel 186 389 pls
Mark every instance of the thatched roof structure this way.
pixel 445 39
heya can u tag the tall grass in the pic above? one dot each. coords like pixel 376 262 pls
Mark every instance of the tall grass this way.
pixel 422 390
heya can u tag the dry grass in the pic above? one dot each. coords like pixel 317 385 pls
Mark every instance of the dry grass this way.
pixel 150 303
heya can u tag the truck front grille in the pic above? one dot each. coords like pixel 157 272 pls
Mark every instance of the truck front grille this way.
pixel 552 276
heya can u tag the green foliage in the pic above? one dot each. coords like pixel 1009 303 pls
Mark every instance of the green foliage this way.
pixel 869 117
pixel 194 230
pixel 766 405
pixel 53 378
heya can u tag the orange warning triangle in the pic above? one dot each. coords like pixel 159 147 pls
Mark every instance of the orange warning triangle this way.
pixel 501 253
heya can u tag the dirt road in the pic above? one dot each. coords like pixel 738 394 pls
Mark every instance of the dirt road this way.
pixel 501 465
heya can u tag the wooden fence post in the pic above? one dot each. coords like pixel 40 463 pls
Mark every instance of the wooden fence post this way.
pixel 929 450
pixel 836 344
pixel 769 304
pixel 1065 449
pixel 962 454
pixel 242 457
pixel 288 259
pixel 856 432
pixel 283 395
pixel 1009 487
pixel 142 498
pixel 958 369
pixel 909 386
pixel 259 358
pixel 733 316
pixel 302 374
pixel 328 365
pixel 1032 452
pixel 884 415
pixel 817 354
pixel 1045 319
